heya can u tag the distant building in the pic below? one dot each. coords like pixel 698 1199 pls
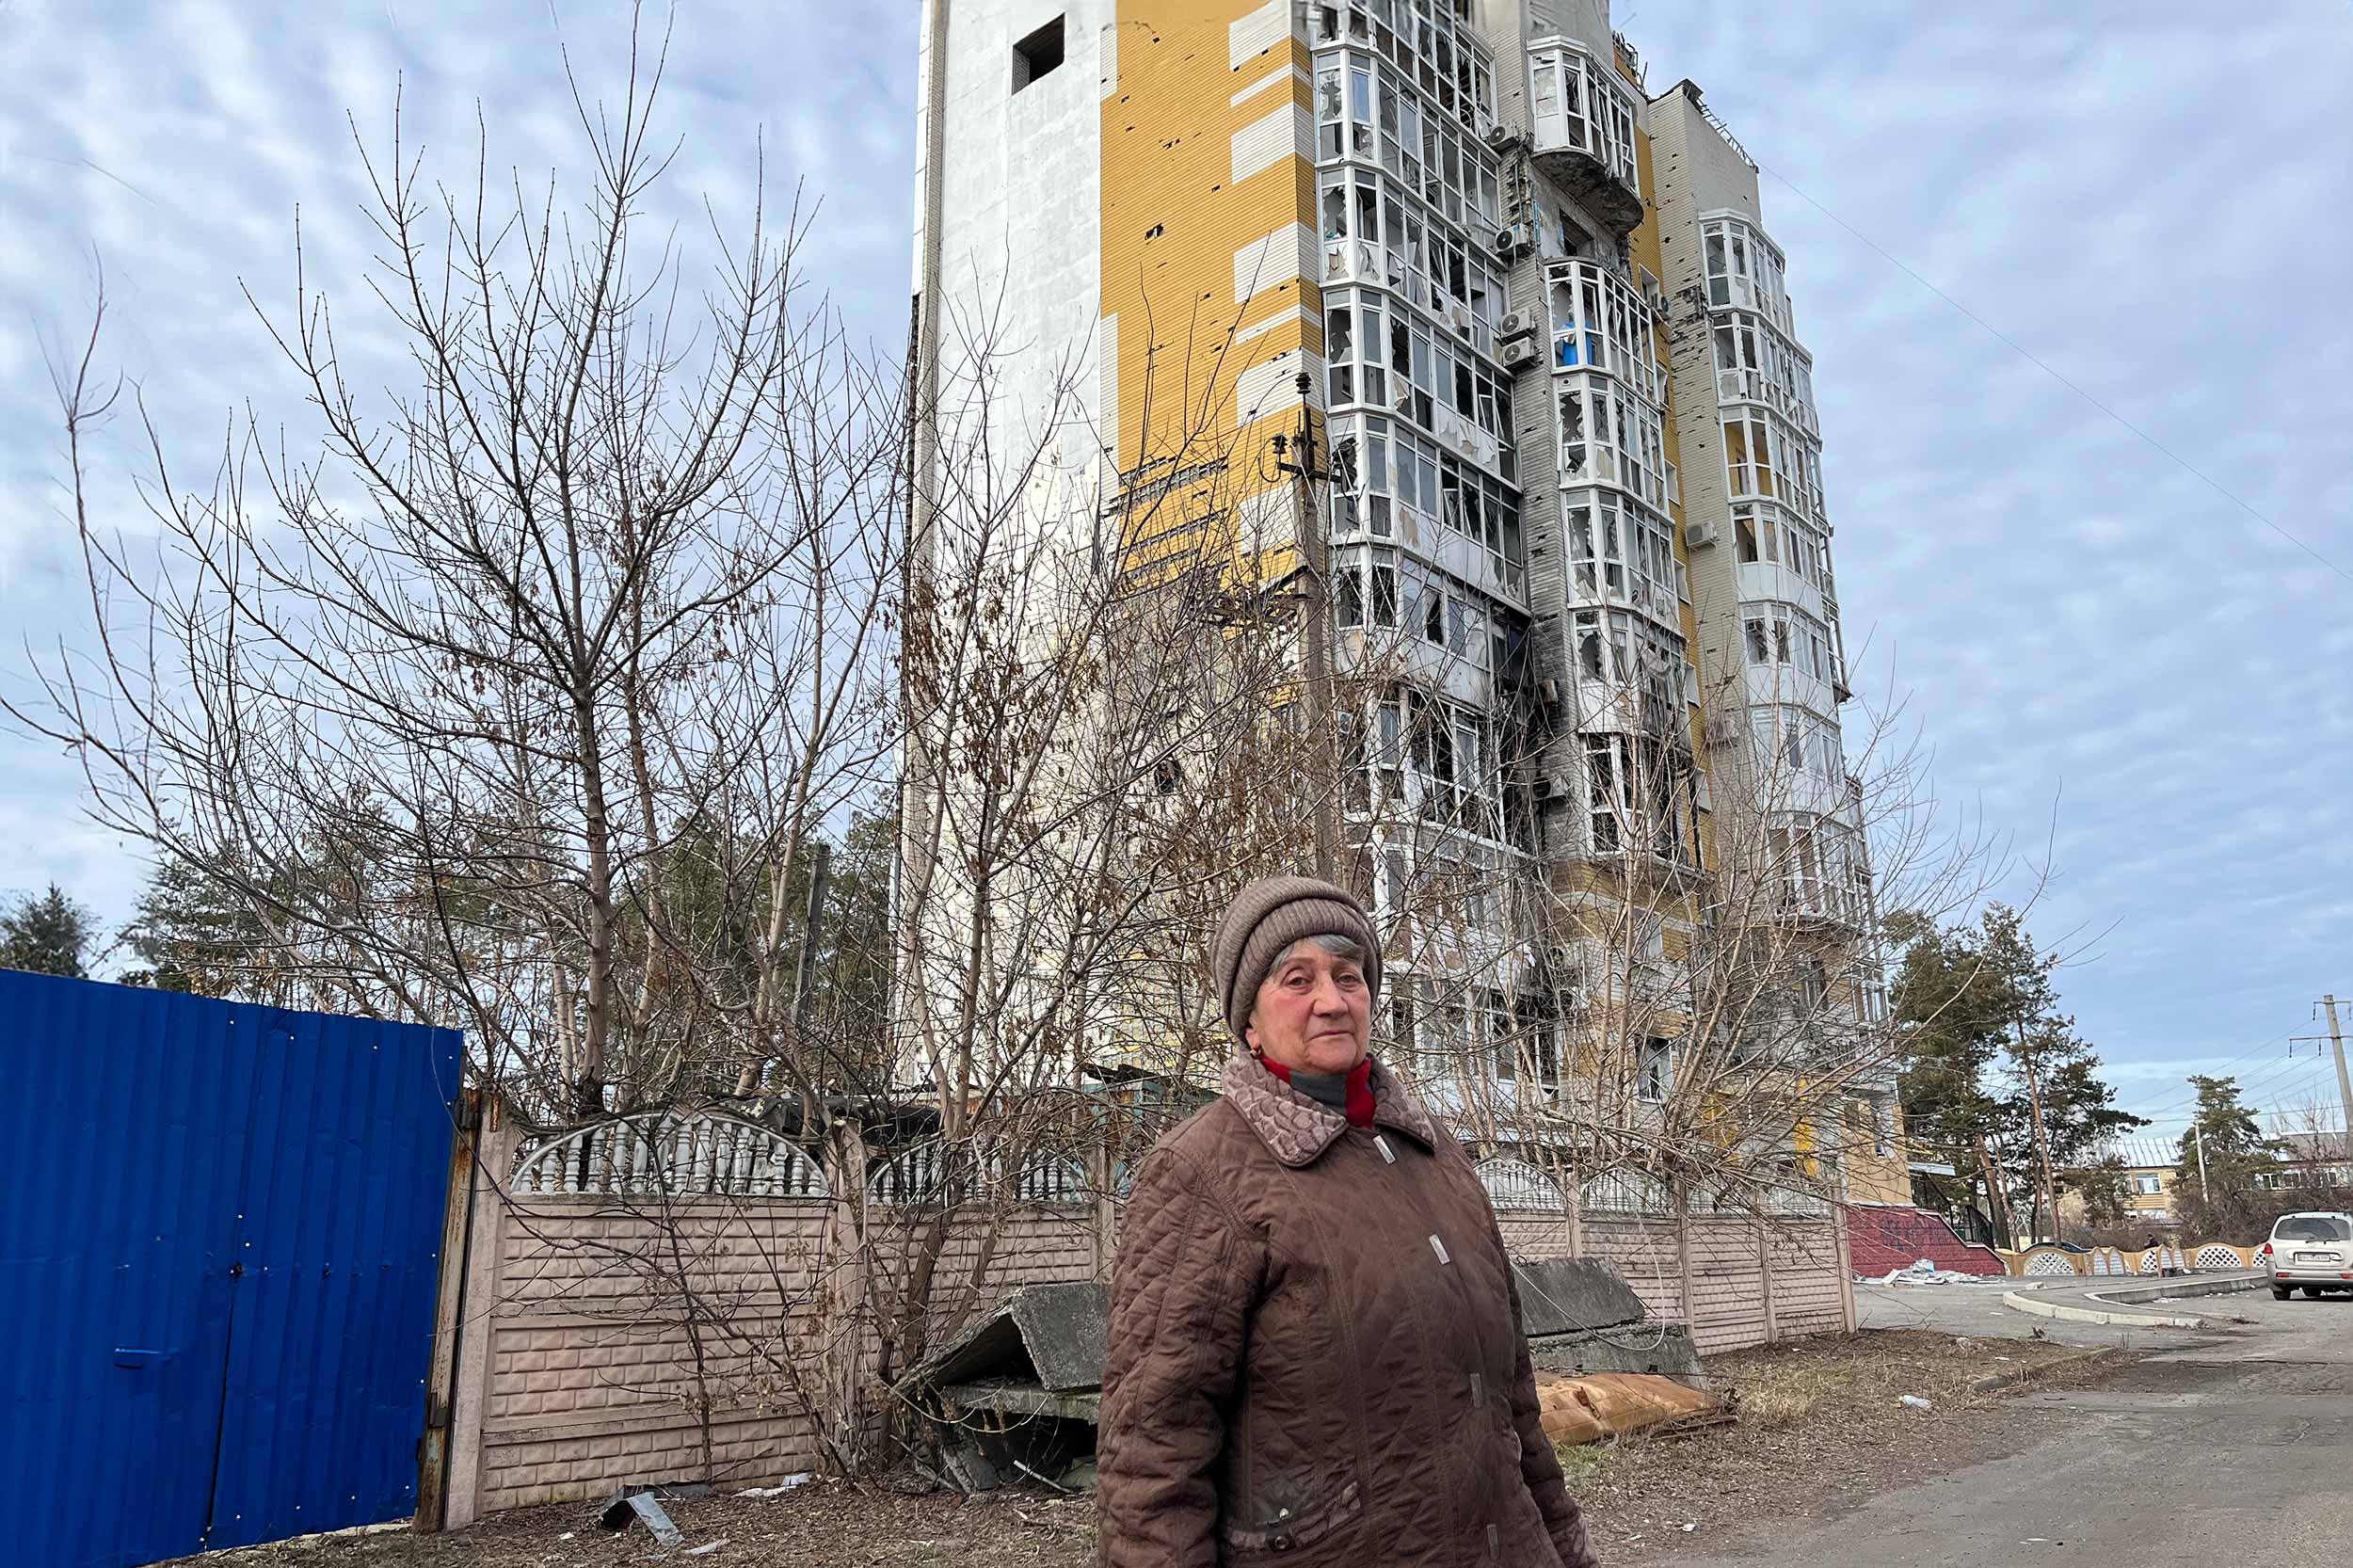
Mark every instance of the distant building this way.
pixel 2149 1177
pixel 2313 1160
pixel 2153 1172
pixel 1576 488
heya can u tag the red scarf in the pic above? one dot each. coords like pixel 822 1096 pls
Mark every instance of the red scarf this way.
pixel 1360 1103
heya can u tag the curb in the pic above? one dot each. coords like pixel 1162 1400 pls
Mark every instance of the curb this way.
pixel 1994 1382
pixel 2033 1308
pixel 2128 1294
pixel 2125 1294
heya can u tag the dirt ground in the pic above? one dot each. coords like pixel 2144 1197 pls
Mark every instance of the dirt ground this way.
pixel 1819 1424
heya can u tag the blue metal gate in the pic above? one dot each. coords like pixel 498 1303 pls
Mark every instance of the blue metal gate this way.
pixel 220 1237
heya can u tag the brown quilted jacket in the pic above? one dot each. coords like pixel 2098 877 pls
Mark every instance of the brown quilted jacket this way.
pixel 1316 1355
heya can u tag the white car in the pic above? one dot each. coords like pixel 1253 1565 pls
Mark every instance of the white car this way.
pixel 2313 1250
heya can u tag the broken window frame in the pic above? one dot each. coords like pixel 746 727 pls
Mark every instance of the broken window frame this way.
pixel 1582 104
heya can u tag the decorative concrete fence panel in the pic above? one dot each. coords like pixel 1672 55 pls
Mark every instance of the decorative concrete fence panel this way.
pixel 2212 1257
pixel 678 1296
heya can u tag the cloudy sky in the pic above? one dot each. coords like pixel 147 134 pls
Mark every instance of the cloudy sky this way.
pixel 2112 656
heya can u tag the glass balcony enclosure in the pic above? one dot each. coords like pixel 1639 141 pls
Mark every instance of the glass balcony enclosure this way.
pixel 1600 323
pixel 1584 114
pixel 1745 271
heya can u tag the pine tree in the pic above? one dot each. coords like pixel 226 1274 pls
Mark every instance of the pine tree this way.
pixel 1987 1042
pixel 2235 1151
pixel 49 935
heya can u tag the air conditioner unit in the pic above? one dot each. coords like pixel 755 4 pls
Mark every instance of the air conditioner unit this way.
pixel 1549 788
pixel 1548 692
pixel 1514 238
pixel 1723 729
pixel 1516 324
pixel 1700 534
pixel 1518 353
pixel 1499 134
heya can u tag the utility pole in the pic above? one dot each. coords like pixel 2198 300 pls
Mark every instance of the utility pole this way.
pixel 2198 1132
pixel 2345 1079
pixel 1316 629
pixel 2042 1144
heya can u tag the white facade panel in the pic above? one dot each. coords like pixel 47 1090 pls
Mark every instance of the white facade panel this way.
pixel 1260 328
pixel 1272 78
pixel 1258 32
pixel 1289 132
pixel 1269 388
pixel 1285 256
pixel 1107 385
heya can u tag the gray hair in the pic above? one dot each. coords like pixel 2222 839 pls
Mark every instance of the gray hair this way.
pixel 1331 942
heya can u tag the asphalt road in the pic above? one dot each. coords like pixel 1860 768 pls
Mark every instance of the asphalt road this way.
pixel 2208 1448
pixel 1978 1310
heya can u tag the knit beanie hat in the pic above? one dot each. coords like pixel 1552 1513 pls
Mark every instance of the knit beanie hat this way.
pixel 1269 915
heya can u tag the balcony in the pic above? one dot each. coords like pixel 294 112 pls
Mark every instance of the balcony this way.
pixel 1600 322
pixel 1583 139
pixel 1604 434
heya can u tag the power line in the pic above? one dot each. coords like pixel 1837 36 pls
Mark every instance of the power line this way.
pixel 2245 1085
pixel 2164 1110
pixel 2023 352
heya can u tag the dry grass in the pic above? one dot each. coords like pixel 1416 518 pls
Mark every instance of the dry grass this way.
pixel 1821 1424
pixel 1818 1424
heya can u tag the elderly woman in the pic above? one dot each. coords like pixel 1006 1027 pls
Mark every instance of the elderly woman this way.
pixel 1316 1353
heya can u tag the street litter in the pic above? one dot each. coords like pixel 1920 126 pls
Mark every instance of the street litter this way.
pixel 1913 1401
pixel 787 1484
pixel 706 1551
pixel 1924 1272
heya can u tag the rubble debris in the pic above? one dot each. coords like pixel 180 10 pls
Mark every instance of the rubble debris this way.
pixel 787 1484
pixel 1053 1337
pixel 1586 1409
pixel 1923 1271
pixel 1571 1295
pixel 639 1502
pixel 1913 1401
pixel 1035 1363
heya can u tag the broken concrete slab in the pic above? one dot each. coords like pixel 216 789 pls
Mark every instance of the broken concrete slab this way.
pixel 639 1502
pixel 1663 1349
pixel 1054 1336
pixel 1023 1398
pixel 1572 1295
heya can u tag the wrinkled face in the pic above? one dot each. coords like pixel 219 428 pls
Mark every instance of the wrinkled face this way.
pixel 1313 1012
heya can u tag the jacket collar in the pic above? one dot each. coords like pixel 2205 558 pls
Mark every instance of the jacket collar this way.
pixel 1297 1129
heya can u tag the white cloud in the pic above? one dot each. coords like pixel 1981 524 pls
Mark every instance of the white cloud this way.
pixel 2153 202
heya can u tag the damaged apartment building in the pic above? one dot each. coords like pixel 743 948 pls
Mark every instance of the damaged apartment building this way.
pixel 1532 315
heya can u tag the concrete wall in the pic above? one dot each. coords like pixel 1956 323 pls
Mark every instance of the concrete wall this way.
pixel 581 1363
pixel 1020 193
pixel 602 1332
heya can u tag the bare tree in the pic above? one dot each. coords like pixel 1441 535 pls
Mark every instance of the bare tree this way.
pixel 515 703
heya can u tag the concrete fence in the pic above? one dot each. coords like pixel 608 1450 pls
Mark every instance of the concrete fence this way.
pixel 689 1298
pixel 2126 1262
